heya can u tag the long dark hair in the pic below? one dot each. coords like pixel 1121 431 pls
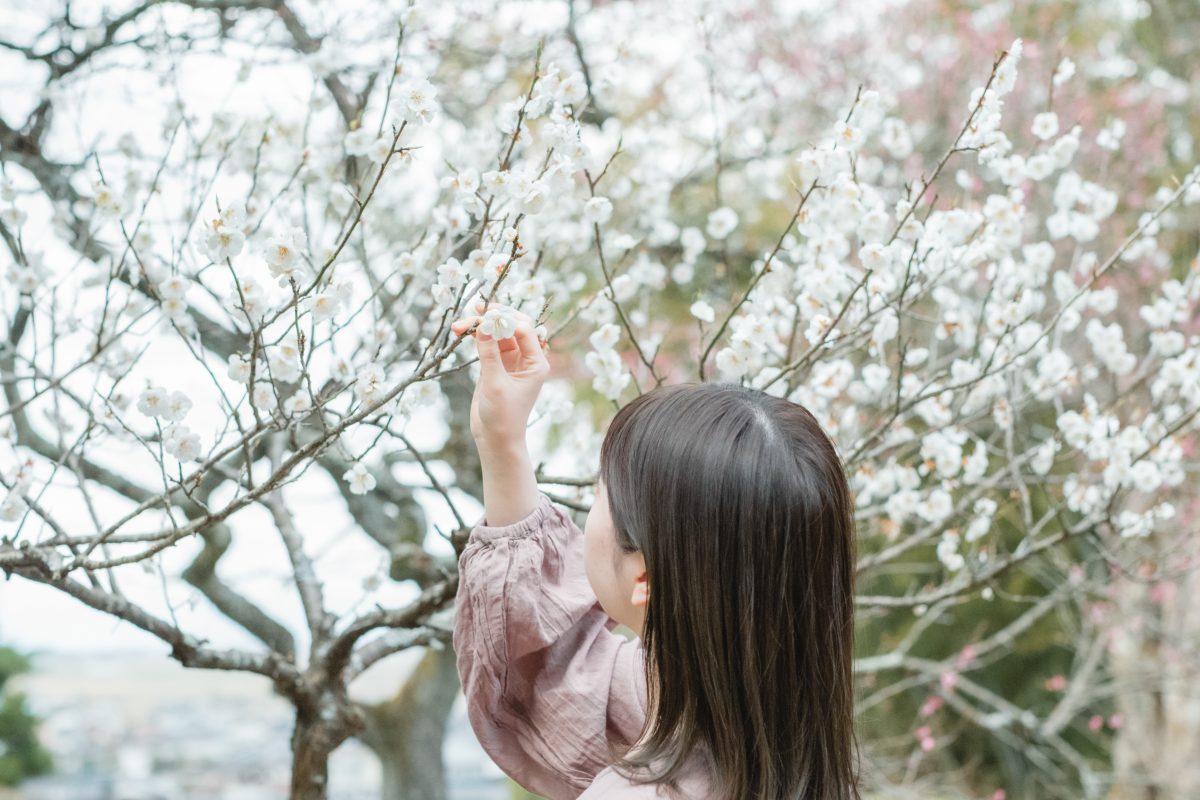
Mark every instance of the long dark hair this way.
pixel 739 504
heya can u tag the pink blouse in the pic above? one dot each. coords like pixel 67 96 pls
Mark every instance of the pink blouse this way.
pixel 547 682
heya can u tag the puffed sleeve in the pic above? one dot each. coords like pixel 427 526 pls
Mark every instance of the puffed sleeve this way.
pixel 547 682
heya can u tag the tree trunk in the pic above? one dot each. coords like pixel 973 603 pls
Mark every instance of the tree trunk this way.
pixel 407 731
pixel 321 727
pixel 311 747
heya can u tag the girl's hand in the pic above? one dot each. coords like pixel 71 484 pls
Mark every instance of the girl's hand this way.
pixel 511 374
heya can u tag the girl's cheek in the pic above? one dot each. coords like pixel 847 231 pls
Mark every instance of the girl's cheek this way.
pixel 593 567
pixel 589 561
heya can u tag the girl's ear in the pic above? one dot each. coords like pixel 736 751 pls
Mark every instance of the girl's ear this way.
pixel 641 589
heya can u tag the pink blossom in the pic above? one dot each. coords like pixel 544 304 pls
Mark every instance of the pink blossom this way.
pixel 966 657
pixel 1162 592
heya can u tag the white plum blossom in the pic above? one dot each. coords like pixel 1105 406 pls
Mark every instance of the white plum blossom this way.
pixel 534 201
pixel 1045 125
pixel 598 210
pixel 263 397
pixel 985 509
pixel 225 236
pixel 811 166
pixel 181 443
pixel 571 89
pixel 452 273
pixel 1039 167
pixel 176 407
pixel 174 287
pixel 1064 71
pixel 297 403
pixel 360 479
pixel 498 324
pixel 1110 136
pixel 417 99
pixel 371 384
pixel 605 337
pixel 496 181
pixel 848 135
pixel 153 401
pixel 407 263
pixel 702 311
pixel 106 201
pixel 1064 148
pixel 820 328
pixel 283 254
pixel 239 368
pixel 734 362
pixel 13 508
pixel 529 290
pixel 721 222
pixel 325 304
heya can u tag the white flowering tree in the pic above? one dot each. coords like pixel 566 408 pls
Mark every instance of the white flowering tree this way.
pixel 236 232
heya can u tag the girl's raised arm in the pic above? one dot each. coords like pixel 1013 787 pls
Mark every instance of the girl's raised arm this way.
pixel 548 685
pixel 511 373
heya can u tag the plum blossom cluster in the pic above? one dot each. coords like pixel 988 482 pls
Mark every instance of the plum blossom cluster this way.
pixel 609 371
pixel 225 235
pixel 171 407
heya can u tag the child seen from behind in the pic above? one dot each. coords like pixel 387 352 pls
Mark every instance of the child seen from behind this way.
pixel 722 535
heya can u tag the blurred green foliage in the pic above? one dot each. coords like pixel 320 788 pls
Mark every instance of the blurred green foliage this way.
pixel 20 754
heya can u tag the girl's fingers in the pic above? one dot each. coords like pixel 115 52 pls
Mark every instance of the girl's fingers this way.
pixel 527 340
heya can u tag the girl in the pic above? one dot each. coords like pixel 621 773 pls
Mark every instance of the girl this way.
pixel 722 535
